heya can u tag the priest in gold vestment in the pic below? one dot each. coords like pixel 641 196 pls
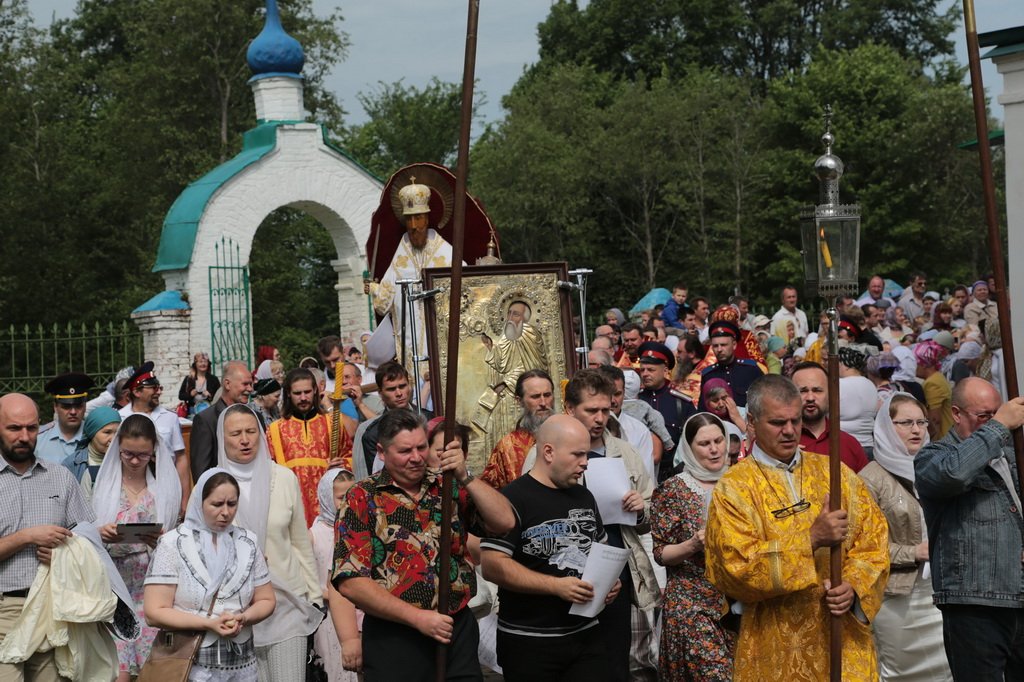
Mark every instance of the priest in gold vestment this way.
pixel 767 546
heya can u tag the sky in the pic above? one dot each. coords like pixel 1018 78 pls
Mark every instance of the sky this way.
pixel 417 39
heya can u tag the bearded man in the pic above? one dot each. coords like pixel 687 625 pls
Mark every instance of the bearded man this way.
pixel 301 439
pixel 518 349
pixel 421 247
pixel 535 394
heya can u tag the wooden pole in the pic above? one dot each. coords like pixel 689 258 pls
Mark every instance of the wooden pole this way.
pixel 455 318
pixel 995 241
pixel 835 489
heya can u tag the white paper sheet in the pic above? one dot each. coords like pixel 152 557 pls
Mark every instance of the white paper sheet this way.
pixel 604 566
pixel 606 478
pixel 487 650
pixel 380 347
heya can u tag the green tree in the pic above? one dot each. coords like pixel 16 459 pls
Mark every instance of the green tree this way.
pixel 701 178
pixel 113 112
pixel 756 38
pixel 644 182
pixel 294 302
pixel 409 125
pixel 898 132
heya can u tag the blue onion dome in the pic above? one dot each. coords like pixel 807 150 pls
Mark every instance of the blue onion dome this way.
pixel 274 52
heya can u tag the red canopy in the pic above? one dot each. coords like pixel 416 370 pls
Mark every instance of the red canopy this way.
pixel 388 226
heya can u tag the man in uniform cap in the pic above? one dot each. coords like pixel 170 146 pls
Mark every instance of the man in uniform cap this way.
pixel 739 373
pixel 145 391
pixel 656 362
pixel 59 439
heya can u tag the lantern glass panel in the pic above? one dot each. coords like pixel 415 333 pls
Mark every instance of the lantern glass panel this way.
pixel 837 248
pixel 809 252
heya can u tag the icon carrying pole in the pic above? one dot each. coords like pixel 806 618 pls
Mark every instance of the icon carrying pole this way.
pixel 455 320
pixel 835 490
pixel 995 242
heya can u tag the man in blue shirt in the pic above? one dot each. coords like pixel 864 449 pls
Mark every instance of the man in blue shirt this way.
pixel 60 438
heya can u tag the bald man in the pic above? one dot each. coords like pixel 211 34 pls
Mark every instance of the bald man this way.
pixel 39 502
pixel 968 483
pixel 539 563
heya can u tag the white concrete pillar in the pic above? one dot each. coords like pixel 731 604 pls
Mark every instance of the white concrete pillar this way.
pixel 1012 98
pixel 278 98
pixel 353 305
pixel 165 341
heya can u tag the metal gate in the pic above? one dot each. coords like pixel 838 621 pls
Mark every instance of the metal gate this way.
pixel 230 327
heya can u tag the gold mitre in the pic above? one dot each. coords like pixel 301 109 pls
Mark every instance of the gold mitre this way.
pixel 415 198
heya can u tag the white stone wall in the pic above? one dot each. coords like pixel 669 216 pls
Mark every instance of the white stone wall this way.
pixel 166 341
pixel 1012 99
pixel 278 98
pixel 304 174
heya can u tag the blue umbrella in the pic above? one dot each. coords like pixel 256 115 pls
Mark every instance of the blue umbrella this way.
pixel 892 290
pixel 656 296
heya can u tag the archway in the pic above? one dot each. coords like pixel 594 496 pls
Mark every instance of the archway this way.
pixel 285 162
pixel 294 301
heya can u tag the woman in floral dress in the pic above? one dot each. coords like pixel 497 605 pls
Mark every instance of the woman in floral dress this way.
pixel 694 643
pixel 137 483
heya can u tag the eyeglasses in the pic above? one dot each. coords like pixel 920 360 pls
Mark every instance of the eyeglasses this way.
pixel 980 416
pixel 127 455
pixel 907 423
pixel 791 510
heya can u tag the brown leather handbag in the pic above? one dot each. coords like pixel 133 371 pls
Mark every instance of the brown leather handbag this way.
pixel 172 655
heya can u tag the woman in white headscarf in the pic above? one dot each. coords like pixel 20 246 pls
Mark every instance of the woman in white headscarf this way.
pixel 270 506
pixel 337 641
pixel 208 560
pixel 136 483
pixel 694 643
pixel 908 628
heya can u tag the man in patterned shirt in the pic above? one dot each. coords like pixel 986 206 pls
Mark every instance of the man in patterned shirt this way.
pixel 388 553
pixel 39 501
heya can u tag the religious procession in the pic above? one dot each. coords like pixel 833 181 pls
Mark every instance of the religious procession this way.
pixel 482 476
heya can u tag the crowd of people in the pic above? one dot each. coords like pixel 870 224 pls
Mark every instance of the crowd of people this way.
pixel 298 526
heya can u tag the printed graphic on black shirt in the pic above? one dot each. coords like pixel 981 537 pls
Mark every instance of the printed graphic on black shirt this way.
pixel 565 542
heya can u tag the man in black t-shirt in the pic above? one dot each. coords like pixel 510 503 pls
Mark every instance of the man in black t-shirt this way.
pixel 538 564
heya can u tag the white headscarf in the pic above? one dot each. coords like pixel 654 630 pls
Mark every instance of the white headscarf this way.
pixel 293 615
pixel 733 430
pixel 890 451
pixel 907 371
pixel 263 371
pixel 691 465
pixel 165 486
pixel 325 496
pixel 253 478
pixel 218 559
pixel 631 384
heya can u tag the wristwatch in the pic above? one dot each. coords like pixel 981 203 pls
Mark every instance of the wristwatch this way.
pixel 468 479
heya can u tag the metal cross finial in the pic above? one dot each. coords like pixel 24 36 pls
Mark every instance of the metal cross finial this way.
pixel 828 138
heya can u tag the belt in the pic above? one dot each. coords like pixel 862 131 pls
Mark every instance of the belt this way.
pixel 15 593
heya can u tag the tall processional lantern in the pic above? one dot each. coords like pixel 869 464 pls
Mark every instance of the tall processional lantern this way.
pixel 830 231
pixel 830 237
